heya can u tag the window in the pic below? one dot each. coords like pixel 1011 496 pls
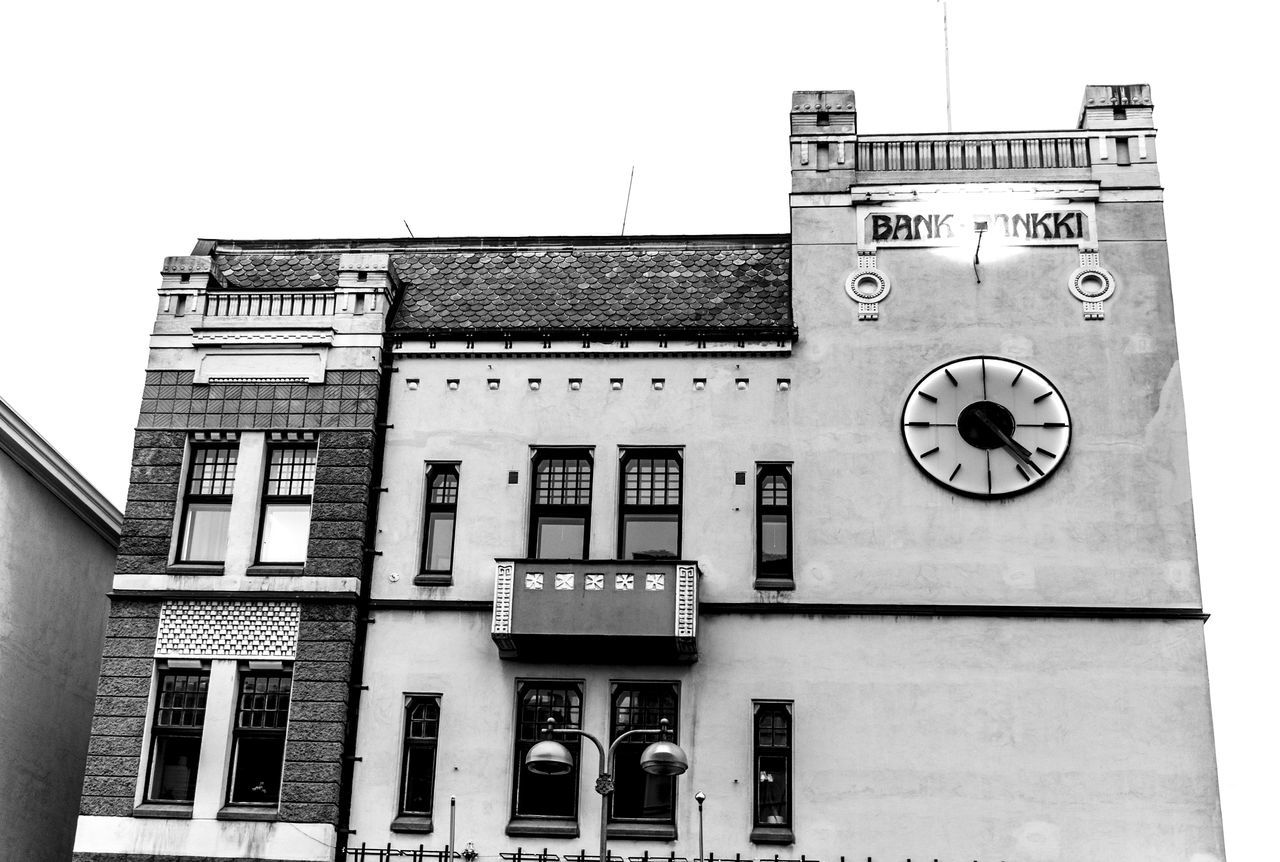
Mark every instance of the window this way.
pixel 773 522
pixel 442 511
pixel 206 506
pixel 545 797
pixel 257 747
pixel 175 734
pixel 560 517
pixel 771 753
pixel 649 512
pixel 418 769
pixel 286 504
pixel 639 797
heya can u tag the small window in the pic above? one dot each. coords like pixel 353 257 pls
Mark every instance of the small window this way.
pixel 1119 114
pixel 640 797
pixel 286 504
pixel 176 727
pixel 649 513
pixel 257 749
pixel 560 516
pixel 442 510
pixel 1122 152
pixel 418 771
pixel 773 521
pixel 538 796
pixel 206 505
pixel 771 752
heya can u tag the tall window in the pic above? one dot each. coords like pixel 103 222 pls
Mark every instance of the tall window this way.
pixel 546 796
pixel 638 795
pixel 175 734
pixel 257 749
pixel 773 521
pixel 418 772
pixel 442 510
pixel 561 510
pixel 771 752
pixel 206 505
pixel 286 503
pixel 649 513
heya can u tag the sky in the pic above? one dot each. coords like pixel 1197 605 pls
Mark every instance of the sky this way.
pixel 131 129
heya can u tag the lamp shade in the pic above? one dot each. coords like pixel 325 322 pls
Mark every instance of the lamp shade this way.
pixel 549 758
pixel 662 758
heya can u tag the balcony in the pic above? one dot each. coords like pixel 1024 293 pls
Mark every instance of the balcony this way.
pixel 615 611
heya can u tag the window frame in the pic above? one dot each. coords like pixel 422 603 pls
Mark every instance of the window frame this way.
pixel 161 732
pixel 766 470
pixel 537 511
pixel 432 471
pixel 763 832
pixel 189 497
pixel 239 734
pixel 416 820
pixel 662 827
pixel 266 499
pixel 550 825
pixel 625 457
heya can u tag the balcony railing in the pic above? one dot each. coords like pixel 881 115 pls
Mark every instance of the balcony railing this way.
pixel 270 304
pixel 972 152
pixel 638 612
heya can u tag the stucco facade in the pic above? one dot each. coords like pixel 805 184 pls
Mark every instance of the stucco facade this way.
pixel 726 440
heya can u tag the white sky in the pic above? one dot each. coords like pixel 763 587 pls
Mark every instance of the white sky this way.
pixel 132 129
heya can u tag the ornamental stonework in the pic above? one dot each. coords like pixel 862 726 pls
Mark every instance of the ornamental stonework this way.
pixel 220 629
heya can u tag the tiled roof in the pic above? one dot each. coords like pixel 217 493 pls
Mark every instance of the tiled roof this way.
pixel 702 283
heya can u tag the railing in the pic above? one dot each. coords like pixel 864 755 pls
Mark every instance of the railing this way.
pixel 964 153
pixel 364 853
pixel 269 304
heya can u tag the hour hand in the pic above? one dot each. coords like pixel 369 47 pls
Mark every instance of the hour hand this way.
pixel 1020 453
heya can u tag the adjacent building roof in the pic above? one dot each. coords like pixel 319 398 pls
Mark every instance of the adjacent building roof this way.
pixel 532 283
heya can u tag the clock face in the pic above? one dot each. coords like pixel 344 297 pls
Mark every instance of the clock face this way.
pixel 986 426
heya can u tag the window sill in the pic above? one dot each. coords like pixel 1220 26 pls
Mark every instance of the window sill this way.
pixel 773 835
pixel 275 569
pixel 165 810
pixel 195 569
pixel 551 827
pixel 248 812
pixel 774 583
pixel 434 579
pixel 419 823
pixel 643 831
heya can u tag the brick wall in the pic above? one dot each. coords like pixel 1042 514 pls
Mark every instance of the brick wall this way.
pixel 346 399
pixel 120 709
pixel 154 488
pixel 340 505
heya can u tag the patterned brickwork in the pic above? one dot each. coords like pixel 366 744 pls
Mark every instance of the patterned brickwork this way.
pixel 153 498
pixel 215 629
pixel 340 505
pixel 120 710
pixel 347 399
pixel 318 713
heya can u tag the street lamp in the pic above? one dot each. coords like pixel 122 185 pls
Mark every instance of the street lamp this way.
pixel 659 758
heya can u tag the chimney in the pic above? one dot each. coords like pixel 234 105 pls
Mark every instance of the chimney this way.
pixel 1116 106
pixel 824 131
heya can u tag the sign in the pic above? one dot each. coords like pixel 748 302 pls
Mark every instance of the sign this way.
pixel 1030 227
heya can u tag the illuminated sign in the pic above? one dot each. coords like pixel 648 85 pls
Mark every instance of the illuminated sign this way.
pixel 1030 227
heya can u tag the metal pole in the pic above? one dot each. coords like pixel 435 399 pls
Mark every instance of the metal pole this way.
pixel 946 56
pixel 701 798
pixel 453 822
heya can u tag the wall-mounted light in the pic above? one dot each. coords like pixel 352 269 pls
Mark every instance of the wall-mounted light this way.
pixel 784 383
pixel 575 383
pixel 699 383
pixel 615 383
pixel 979 227
pixel 494 383
pixel 535 383
pixel 452 383
pixel 742 383
pixel 412 383
pixel 659 383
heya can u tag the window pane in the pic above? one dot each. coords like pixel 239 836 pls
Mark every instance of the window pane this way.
pixel 205 537
pixel 285 527
pixel 444 487
pixel 652 482
pixel 563 482
pixel 639 795
pixel 774 530
pixel 560 538
pixel 772 790
pixel 256 767
pixel 419 778
pixel 547 795
pixel 213 470
pixel 291 472
pixel 174 762
pixel 439 541
pixel 650 537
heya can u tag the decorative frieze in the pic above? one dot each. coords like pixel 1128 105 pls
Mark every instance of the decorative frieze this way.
pixel 220 629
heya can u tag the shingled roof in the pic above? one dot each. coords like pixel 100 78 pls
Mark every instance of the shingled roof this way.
pixel 586 283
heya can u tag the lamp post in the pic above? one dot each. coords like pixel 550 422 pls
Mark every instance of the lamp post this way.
pixel 659 758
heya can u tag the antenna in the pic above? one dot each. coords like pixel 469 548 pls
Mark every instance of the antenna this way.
pixel 409 229
pixel 626 208
pixel 946 60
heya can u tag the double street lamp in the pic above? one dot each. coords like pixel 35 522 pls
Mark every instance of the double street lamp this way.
pixel 663 757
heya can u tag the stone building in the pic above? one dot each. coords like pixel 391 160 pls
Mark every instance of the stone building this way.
pixel 888 517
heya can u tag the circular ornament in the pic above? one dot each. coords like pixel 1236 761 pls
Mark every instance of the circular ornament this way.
pixel 1092 284
pixel 867 285
pixel 986 426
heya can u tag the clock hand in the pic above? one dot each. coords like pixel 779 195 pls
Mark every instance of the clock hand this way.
pixel 1019 452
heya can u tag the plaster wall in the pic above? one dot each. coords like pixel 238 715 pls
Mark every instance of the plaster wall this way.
pixel 915 737
pixel 54 573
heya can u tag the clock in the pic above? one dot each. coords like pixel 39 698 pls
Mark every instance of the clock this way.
pixel 986 426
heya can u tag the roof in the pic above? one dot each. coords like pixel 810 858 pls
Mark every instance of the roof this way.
pixel 537 283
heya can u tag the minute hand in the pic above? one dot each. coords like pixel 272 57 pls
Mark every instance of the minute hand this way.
pixel 1019 452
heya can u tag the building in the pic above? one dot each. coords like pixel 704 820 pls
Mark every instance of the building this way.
pixel 889 517
pixel 58 539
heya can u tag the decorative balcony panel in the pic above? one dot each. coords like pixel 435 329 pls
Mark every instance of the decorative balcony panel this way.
pixel 617 611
